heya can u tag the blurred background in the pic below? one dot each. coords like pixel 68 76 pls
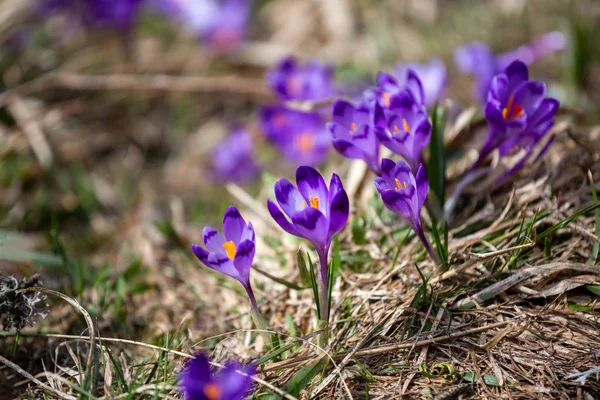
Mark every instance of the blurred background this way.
pixel 112 113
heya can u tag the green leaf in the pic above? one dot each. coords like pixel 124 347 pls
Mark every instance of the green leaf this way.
pixel 301 262
pixel 490 380
pixel 568 220
pixel 468 376
pixel 436 167
pixel 274 353
pixel 300 380
pixel 594 289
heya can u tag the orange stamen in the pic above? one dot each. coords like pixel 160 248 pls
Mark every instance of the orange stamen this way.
pixel 511 112
pixel 230 249
pixel 400 185
pixel 212 391
pixel 314 202
pixel 305 142
pixel 386 99
pixel 405 125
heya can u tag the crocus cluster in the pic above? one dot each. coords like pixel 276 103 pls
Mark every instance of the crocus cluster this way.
pixel 233 382
pixel 233 158
pixel 479 60
pixel 301 136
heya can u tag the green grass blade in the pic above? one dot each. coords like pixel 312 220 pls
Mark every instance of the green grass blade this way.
pixel 568 220
pixel 596 246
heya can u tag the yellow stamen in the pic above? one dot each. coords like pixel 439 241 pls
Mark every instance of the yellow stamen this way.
pixel 305 142
pixel 303 204
pixel 405 125
pixel 230 249
pixel 511 112
pixel 212 391
pixel 396 129
pixel 386 99
pixel 400 185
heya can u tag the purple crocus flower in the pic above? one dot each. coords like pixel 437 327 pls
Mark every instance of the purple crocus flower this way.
pixel 516 109
pixel 293 81
pixel 389 86
pixel 477 59
pixel 112 14
pixel 301 136
pixel 354 134
pixel 233 160
pixel 404 194
pixel 221 24
pixel 233 382
pixel 232 254
pixel 433 76
pixel 405 129
pixel 316 213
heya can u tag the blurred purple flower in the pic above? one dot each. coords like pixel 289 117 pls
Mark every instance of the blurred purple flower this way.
pixel 316 213
pixel 198 383
pixel 292 81
pixel 433 76
pixel 111 14
pixel 517 111
pixel 302 137
pixel 404 194
pixel 477 59
pixel 233 158
pixel 404 129
pixel 354 134
pixel 389 86
pixel 221 24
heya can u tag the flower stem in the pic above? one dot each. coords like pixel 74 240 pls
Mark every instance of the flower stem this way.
pixel 428 248
pixel 259 321
pixel 324 296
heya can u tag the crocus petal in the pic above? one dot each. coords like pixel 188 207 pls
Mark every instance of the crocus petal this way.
pixel 200 253
pixel 400 205
pixel 244 256
pixel 213 240
pixel 311 224
pixel 379 119
pixel 529 95
pixel 234 385
pixel 348 149
pixel 546 110
pixel 422 185
pixel 288 197
pixel 387 169
pixel 311 184
pixel 343 113
pixel 194 376
pixel 248 233
pixel 281 220
pixel 413 83
pixel 340 209
pixel 233 224
pixel 517 73
pixel 498 87
pixel 403 174
pixel 223 264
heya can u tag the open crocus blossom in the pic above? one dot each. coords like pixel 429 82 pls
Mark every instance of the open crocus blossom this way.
pixel 404 194
pixel 432 74
pixel 302 137
pixel 233 382
pixel 353 133
pixel 405 129
pixel 232 253
pixel 389 86
pixel 316 213
pixel 516 107
pixel 233 158
pixel 293 81
pixel 477 59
